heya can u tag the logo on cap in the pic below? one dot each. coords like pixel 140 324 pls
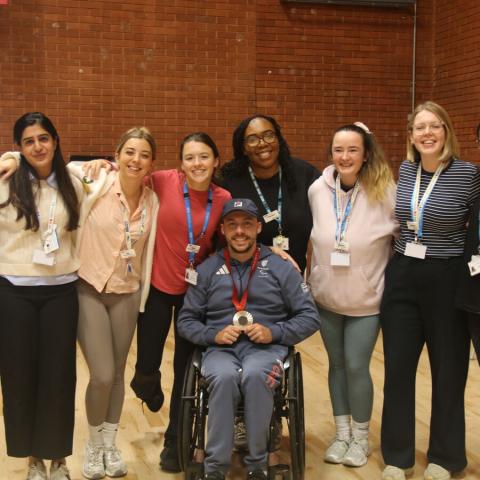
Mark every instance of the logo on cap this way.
pixel 238 204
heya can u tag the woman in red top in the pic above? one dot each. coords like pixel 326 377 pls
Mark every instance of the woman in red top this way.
pixel 189 213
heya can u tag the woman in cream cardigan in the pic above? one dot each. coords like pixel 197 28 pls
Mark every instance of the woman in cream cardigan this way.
pixel 115 248
pixel 353 226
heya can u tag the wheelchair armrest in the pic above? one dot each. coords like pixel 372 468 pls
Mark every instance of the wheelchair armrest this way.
pixel 197 358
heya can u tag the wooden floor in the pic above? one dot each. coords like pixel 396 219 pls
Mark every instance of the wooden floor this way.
pixel 141 435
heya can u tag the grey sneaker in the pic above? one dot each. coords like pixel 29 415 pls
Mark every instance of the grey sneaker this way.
pixel 436 472
pixel 357 453
pixel 37 471
pixel 59 471
pixel 93 466
pixel 394 473
pixel 336 451
pixel 114 464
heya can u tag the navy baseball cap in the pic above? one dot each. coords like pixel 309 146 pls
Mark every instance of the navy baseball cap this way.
pixel 240 205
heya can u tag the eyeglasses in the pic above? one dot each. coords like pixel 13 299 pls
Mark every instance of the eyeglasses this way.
pixel 432 127
pixel 254 140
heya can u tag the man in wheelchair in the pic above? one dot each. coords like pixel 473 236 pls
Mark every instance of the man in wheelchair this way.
pixel 247 307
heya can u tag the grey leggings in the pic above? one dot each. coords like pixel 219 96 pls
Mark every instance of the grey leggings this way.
pixel 349 342
pixel 106 325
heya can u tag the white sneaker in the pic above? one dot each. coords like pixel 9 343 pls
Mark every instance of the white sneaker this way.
pixel 37 471
pixel 59 471
pixel 394 473
pixel 114 464
pixel 357 453
pixel 336 451
pixel 93 467
pixel 436 472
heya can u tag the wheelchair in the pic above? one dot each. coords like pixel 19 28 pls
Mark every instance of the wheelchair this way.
pixel 288 405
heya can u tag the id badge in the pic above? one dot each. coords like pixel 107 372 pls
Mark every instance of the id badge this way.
pixel 281 242
pixel 416 250
pixel 474 265
pixel 340 259
pixel 128 253
pixel 50 243
pixel 191 276
pixel 41 258
pixel 192 248
pixel 268 217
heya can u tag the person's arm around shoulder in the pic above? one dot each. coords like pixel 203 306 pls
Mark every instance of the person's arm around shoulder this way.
pixel 9 163
pixel 304 320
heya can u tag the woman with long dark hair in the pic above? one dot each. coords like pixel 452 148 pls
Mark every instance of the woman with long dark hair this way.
pixel 264 171
pixel 39 215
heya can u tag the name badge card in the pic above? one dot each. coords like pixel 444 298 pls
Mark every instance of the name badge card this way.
pixel 41 258
pixel 50 243
pixel 340 259
pixel 192 248
pixel 412 225
pixel 474 265
pixel 268 217
pixel 416 250
pixel 281 242
pixel 191 276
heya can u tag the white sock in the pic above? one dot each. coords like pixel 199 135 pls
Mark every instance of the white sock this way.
pixel 360 430
pixel 109 433
pixel 96 436
pixel 342 423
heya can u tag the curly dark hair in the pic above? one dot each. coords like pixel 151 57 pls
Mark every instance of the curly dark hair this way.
pixel 239 164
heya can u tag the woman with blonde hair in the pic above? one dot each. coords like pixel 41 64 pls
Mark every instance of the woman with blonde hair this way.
pixel 435 192
pixel 353 226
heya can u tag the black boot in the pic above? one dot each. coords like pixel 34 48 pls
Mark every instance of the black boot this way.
pixel 169 456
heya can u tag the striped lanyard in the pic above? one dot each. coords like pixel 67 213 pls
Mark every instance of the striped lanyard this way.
pixel 191 239
pixel 262 198
pixel 417 205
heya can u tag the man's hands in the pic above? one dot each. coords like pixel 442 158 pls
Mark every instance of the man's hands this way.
pixel 256 332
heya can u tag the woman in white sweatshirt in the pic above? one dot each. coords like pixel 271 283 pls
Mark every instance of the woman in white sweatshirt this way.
pixel 353 226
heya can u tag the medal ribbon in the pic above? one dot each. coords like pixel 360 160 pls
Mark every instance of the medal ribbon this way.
pixel 241 303
pixel 191 239
pixel 342 215
pixel 262 198
pixel 416 207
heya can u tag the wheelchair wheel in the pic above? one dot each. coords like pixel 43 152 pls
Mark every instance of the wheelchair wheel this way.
pixel 296 418
pixel 191 424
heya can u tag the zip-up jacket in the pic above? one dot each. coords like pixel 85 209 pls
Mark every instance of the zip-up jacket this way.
pixel 277 298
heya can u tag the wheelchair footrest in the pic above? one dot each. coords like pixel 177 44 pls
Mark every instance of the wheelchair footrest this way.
pixel 280 471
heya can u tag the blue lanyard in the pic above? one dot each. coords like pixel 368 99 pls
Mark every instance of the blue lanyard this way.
pixel 342 220
pixel 262 198
pixel 191 240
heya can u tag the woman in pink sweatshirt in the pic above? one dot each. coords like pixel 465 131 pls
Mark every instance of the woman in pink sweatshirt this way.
pixel 353 226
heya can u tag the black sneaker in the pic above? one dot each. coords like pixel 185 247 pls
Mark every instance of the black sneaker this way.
pixel 257 474
pixel 148 389
pixel 169 457
pixel 216 475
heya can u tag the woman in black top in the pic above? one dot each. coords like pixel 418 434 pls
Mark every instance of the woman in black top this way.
pixel 261 163
pixel 434 193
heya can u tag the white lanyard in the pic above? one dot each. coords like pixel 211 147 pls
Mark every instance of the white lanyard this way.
pixel 51 215
pixel 416 206
pixel 129 252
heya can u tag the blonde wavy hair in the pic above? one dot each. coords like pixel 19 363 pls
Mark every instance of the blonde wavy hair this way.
pixel 376 175
pixel 450 149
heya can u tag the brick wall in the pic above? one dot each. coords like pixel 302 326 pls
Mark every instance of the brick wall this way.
pixel 99 67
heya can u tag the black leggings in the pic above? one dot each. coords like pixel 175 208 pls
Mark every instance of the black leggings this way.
pixel 153 327
pixel 38 331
